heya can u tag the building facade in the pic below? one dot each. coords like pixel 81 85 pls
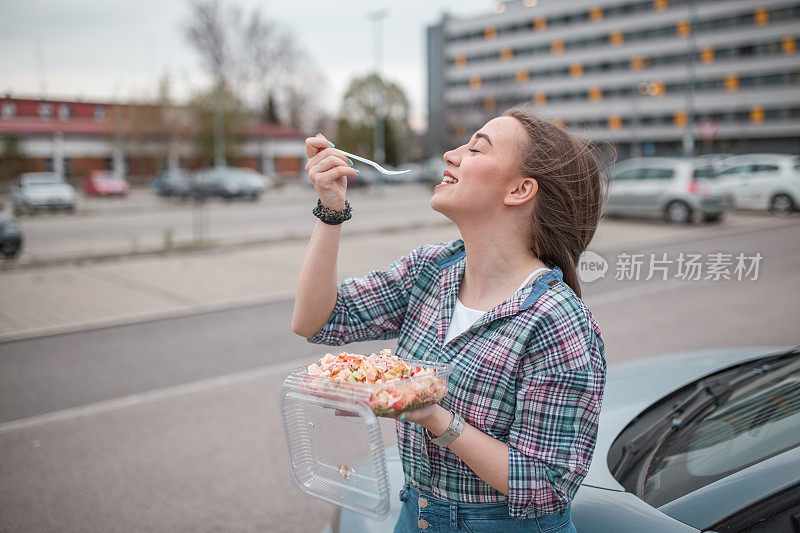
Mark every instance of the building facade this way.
pixel 655 77
pixel 134 140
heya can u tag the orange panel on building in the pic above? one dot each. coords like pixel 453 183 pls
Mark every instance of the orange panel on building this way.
pixel 287 165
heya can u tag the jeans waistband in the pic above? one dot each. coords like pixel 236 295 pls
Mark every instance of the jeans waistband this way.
pixel 452 509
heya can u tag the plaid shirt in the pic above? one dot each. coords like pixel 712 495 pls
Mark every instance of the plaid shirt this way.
pixel 530 373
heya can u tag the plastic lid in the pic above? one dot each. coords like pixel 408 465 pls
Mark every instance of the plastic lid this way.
pixel 335 446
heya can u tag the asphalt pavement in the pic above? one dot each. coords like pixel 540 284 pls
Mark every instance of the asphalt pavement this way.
pixel 143 394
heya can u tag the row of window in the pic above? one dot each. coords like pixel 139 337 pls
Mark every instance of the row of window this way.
pixel 617 38
pixel 787 45
pixel 730 83
pixel 678 119
pixel 660 173
pixel 580 17
pixel 8 110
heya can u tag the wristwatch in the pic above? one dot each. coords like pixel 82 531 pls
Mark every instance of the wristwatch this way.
pixel 450 434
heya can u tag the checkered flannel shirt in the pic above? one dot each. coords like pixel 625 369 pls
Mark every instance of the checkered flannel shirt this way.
pixel 530 373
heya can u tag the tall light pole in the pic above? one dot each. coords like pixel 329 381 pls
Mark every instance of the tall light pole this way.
pixel 379 150
pixel 219 124
pixel 688 132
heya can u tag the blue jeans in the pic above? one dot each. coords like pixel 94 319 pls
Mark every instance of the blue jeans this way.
pixel 424 513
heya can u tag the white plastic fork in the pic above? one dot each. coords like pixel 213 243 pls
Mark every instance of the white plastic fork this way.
pixel 373 164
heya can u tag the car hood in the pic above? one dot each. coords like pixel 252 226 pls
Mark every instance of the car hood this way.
pixel 7 218
pixel 633 386
pixel 64 191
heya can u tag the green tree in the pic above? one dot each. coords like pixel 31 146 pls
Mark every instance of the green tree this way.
pixel 203 105
pixel 360 106
pixel 270 112
pixel 11 159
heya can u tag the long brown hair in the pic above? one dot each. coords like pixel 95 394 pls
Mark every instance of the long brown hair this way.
pixel 570 196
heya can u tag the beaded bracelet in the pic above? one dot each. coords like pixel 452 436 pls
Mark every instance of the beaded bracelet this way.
pixel 332 216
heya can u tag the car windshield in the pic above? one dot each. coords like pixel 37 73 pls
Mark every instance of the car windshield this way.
pixel 42 180
pixel 705 173
pixel 758 420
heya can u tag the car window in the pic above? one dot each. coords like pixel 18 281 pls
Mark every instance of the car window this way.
pixel 765 168
pixel 657 173
pixel 735 171
pixel 707 173
pixel 627 175
pixel 758 420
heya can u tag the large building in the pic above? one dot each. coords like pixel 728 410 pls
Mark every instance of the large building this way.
pixel 651 76
pixel 74 138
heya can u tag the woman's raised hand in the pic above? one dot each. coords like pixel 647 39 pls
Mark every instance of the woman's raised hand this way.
pixel 328 170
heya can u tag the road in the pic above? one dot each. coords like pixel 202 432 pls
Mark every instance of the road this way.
pixel 144 221
pixel 173 425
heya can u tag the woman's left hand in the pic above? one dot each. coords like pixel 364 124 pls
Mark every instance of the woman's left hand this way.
pixel 432 417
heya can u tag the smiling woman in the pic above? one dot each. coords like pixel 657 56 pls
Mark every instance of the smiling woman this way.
pixel 509 445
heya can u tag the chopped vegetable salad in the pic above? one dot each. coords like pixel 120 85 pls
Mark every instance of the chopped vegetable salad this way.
pixel 401 393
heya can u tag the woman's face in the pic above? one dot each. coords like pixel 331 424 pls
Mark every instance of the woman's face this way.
pixel 480 173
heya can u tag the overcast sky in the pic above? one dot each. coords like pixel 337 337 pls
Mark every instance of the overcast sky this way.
pixel 99 49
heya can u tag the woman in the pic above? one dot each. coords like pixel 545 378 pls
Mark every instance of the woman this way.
pixel 509 445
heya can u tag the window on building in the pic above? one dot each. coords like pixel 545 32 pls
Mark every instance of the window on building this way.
pixel 64 111
pixel 9 110
pixel 99 112
pixel 46 110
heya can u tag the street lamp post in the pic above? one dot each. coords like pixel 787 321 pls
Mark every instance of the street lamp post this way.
pixel 379 151
pixel 688 132
pixel 219 125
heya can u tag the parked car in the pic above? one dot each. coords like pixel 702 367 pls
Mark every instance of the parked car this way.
pixel 695 441
pixel 366 176
pixel 432 171
pixel 10 234
pixel 171 183
pixel 761 181
pixel 228 183
pixel 105 183
pixel 261 182
pixel 662 187
pixel 36 191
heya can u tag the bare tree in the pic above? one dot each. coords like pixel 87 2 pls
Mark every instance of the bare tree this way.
pixel 252 56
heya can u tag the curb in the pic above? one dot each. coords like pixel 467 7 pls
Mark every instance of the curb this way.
pixel 207 247
pixel 141 318
pixel 253 301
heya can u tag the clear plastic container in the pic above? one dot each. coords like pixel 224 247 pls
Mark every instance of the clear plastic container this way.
pixel 385 399
pixel 336 449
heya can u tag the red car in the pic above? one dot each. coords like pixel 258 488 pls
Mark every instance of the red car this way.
pixel 104 183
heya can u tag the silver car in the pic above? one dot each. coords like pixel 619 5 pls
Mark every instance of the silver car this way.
pixel 34 191
pixel 663 187
pixel 760 181
pixel 695 441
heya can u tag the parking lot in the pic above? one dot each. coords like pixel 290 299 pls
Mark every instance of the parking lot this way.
pixel 142 393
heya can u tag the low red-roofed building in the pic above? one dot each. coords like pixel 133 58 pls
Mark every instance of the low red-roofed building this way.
pixel 134 140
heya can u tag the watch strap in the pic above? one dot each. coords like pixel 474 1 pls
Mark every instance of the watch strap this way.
pixel 451 433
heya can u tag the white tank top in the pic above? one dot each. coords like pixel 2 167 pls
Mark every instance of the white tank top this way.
pixel 464 317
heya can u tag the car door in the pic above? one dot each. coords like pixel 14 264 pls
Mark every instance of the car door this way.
pixel 622 191
pixel 653 186
pixel 764 178
pixel 733 183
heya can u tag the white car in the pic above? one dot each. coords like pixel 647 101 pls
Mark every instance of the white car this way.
pixel 663 187
pixel 35 191
pixel 760 181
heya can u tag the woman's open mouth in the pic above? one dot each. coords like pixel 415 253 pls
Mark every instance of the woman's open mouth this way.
pixel 449 178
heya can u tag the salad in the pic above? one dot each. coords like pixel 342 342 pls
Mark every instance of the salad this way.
pixel 395 385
